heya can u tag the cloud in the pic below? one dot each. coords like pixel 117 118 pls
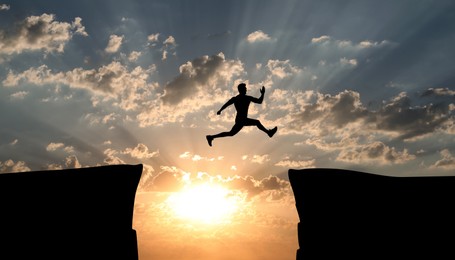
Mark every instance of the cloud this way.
pixel 325 40
pixel 11 166
pixel 330 111
pixel 282 69
pixel 287 163
pixel 199 75
pixel 153 37
pixel 52 147
pixel 38 33
pixel 4 7
pixel 172 179
pixel 134 55
pixel 396 117
pixel 375 152
pixel 260 159
pixel 111 157
pixel 71 162
pixel 258 36
pixel 78 27
pixel 438 92
pixel 447 162
pixel 170 40
pixel 196 157
pixel 350 62
pixel 271 188
pixel 19 95
pixel 168 45
pixel 141 151
pixel 400 117
pixel 340 123
pixel 114 43
pixel 115 80
pixel 321 39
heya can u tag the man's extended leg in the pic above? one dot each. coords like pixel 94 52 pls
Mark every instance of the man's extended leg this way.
pixel 235 129
pixel 269 132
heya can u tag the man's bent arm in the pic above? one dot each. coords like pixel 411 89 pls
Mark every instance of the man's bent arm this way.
pixel 230 102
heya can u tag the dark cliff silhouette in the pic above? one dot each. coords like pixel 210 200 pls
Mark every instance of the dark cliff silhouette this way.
pixel 241 103
pixel 355 215
pixel 84 213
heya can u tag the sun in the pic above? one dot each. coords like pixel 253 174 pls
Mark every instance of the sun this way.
pixel 204 203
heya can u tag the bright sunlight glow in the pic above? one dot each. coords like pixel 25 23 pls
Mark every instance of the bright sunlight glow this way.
pixel 209 204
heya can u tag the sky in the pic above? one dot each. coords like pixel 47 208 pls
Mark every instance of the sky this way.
pixel 359 85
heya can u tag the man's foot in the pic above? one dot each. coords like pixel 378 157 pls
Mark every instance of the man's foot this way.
pixel 209 139
pixel 271 132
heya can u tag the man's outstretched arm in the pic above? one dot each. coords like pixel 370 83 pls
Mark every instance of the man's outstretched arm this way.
pixel 230 102
pixel 261 98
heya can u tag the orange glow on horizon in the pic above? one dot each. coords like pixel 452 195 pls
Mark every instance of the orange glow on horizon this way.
pixel 205 203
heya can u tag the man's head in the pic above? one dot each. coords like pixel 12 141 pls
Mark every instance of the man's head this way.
pixel 242 88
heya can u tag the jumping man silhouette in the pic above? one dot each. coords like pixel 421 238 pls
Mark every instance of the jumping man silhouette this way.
pixel 241 103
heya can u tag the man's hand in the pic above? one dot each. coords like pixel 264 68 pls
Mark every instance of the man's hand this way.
pixel 262 90
pixel 219 112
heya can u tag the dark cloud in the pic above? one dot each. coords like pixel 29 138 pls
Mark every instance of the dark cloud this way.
pixel 201 74
pixel 338 110
pixel 398 116
pixel 438 92
pixel 411 121
pixel 39 33
pixel 192 75
pixel 375 152
pixel 274 187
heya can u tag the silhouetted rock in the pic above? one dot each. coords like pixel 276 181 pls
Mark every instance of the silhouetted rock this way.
pixel 84 213
pixel 356 215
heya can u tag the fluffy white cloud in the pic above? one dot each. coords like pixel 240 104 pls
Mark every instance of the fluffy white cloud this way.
pixel 134 55
pixel 37 33
pixel 71 162
pixel 128 87
pixel 111 157
pixel 447 161
pixel 52 147
pixel 141 151
pixel 196 157
pixel 114 43
pixel 288 163
pixel 350 62
pixel 321 39
pixel 258 36
pixel 282 69
pixel 170 40
pixel 4 7
pixel 19 95
pixel 328 41
pixel 153 37
pixel 439 92
pixel 11 166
